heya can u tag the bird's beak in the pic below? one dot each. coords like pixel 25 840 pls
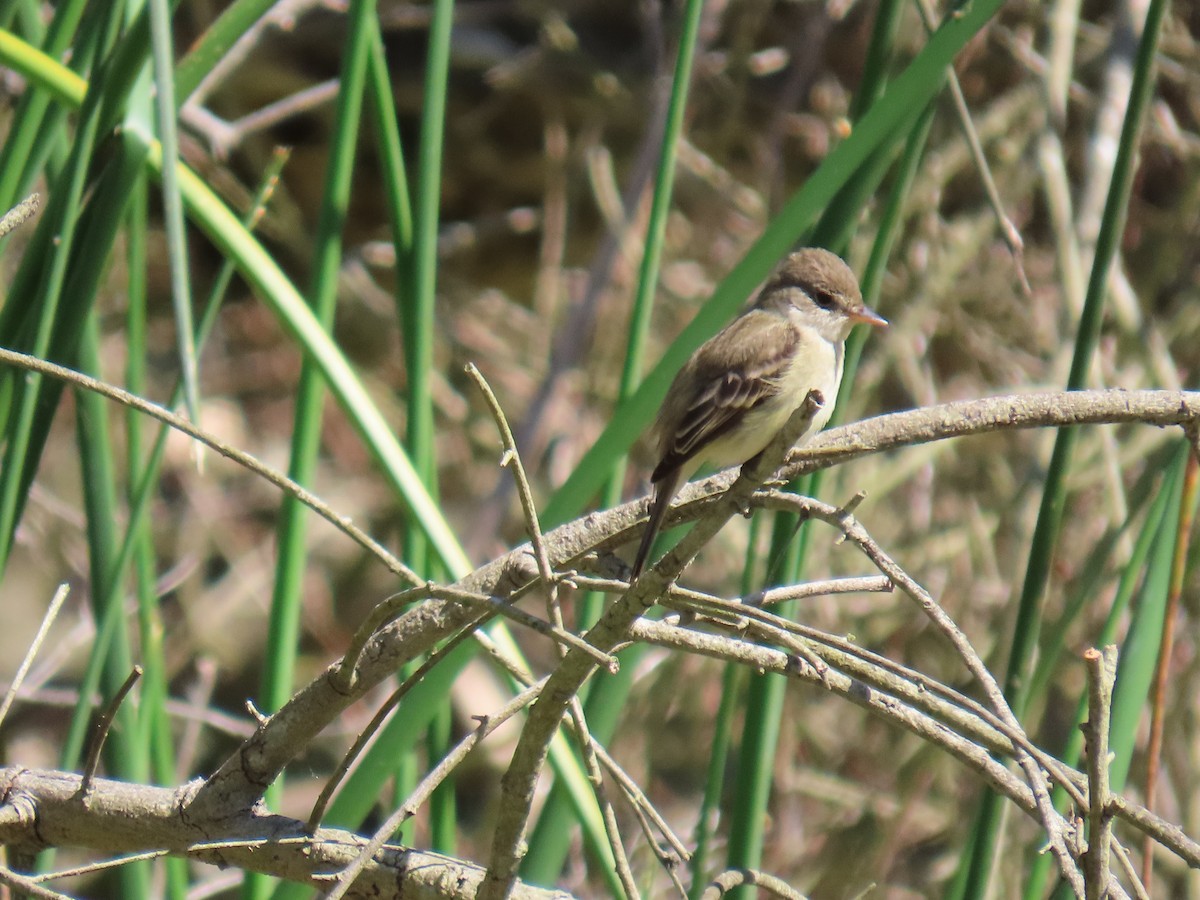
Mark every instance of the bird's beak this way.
pixel 868 316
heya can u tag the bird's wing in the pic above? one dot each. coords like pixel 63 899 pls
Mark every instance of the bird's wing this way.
pixel 731 380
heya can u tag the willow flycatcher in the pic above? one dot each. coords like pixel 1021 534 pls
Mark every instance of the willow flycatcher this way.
pixel 740 387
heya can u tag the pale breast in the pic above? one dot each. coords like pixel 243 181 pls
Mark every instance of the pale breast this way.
pixel 817 365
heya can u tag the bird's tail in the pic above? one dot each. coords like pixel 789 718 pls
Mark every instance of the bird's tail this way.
pixel 664 492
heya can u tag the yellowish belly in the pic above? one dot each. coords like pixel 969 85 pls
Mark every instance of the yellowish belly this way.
pixel 818 366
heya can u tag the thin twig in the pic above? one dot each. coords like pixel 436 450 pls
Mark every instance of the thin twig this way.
pixel 199 698
pixel 771 628
pixel 512 460
pixel 282 15
pixel 565 639
pixel 638 799
pixel 494 605
pixel 503 660
pixel 612 831
pixel 302 101
pixel 35 645
pixel 103 725
pixel 243 459
pixel 873 584
pixel 666 859
pixel 975 748
pixel 382 613
pixel 101 866
pixel 735 878
pixel 1102 672
pixel 1129 870
pixel 969 750
pixel 1008 230
pixel 322 802
pixel 27 886
pixel 1056 827
pixel 420 794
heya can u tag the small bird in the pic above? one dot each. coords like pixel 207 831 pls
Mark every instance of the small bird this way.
pixel 741 386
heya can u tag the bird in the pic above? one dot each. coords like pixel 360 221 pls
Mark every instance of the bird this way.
pixel 739 388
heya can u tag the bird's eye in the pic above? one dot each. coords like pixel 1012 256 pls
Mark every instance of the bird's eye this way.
pixel 822 298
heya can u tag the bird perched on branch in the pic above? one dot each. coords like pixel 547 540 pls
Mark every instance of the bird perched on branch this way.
pixel 740 387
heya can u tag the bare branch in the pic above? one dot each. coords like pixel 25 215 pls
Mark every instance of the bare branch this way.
pixel 735 878
pixel 419 796
pixel 1102 672
pixel 281 481
pixel 517 785
pixel 972 744
pixel 968 417
pixel 241 779
pixel 41 808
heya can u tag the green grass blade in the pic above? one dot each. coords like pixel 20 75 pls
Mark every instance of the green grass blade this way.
pixel 60 219
pixel 28 14
pixel 154 727
pixel 382 109
pixel 292 559
pixel 106 206
pixel 1052 653
pixel 420 335
pixel 292 556
pixel 880 53
pixel 125 752
pixel 181 293
pixel 419 331
pixel 733 687
pixel 264 274
pixel 1140 649
pixel 36 126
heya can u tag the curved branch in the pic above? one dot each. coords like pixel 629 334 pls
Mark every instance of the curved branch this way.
pixel 961 418
pixel 243 777
pixel 196 433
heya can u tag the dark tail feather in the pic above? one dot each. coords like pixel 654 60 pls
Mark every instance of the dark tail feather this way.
pixel 664 493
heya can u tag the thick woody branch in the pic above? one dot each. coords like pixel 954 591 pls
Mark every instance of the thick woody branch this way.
pixel 43 808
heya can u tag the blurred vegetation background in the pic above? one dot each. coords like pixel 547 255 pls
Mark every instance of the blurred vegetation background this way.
pixel 553 121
